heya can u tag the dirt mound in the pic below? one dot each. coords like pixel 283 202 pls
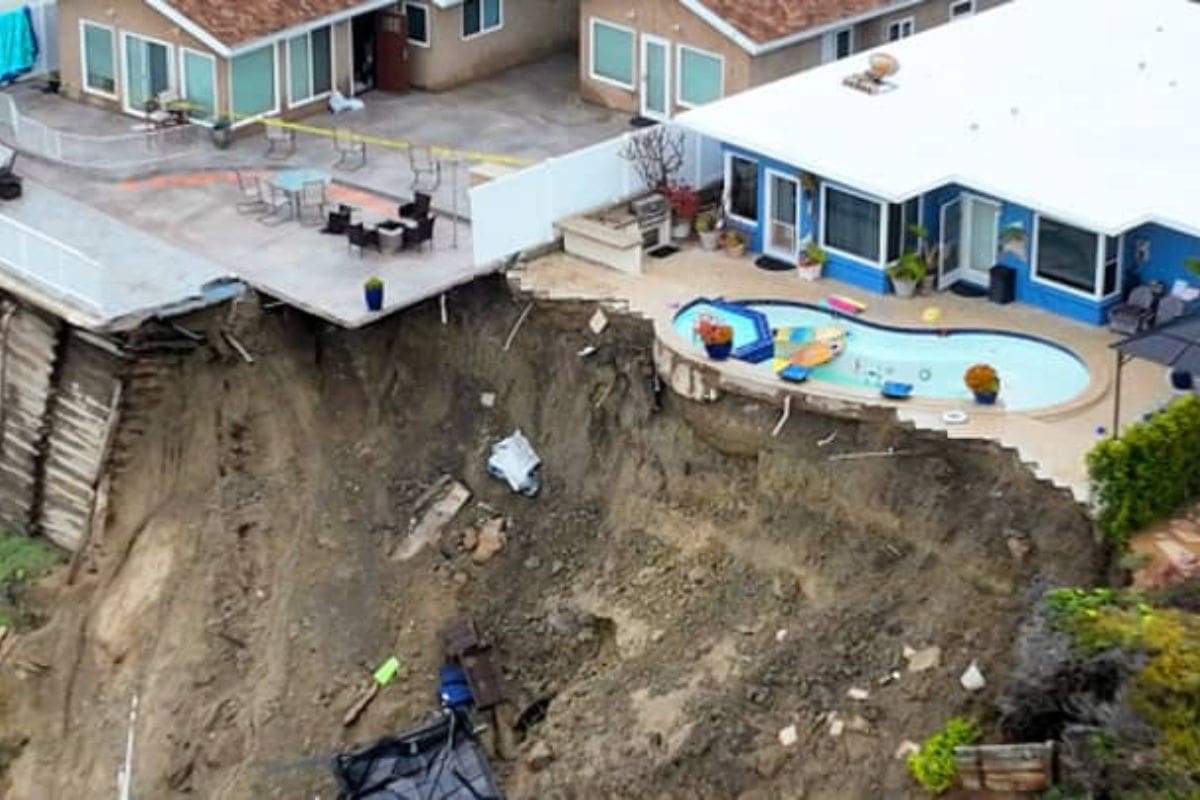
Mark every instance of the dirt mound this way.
pixel 684 587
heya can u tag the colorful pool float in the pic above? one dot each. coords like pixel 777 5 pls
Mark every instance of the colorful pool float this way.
pixel 847 305
pixel 813 354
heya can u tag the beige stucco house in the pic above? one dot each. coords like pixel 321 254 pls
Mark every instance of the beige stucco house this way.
pixel 249 59
pixel 655 58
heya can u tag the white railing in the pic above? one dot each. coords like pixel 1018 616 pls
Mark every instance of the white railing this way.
pixel 518 211
pixel 52 265
pixel 122 152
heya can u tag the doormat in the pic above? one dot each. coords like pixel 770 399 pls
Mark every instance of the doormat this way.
pixel 643 122
pixel 773 264
pixel 968 290
pixel 662 251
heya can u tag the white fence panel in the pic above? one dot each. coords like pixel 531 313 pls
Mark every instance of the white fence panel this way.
pixel 52 265
pixel 518 212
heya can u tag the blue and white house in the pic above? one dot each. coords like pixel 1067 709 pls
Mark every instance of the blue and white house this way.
pixel 1060 138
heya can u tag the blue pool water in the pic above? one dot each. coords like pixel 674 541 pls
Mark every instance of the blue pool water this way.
pixel 1033 373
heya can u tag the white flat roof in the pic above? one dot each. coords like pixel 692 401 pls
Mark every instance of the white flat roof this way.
pixel 1086 110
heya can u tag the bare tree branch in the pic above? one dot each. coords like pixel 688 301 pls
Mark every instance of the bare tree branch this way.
pixel 657 155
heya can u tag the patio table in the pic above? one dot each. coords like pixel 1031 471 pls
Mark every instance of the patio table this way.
pixel 291 182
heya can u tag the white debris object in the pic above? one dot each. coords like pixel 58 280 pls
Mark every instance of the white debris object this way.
pixel 598 322
pixel 906 749
pixel 972 680
pixel 858 694
pixel 487 399
pixel 587 351
pixel 338 103
pixel 788 736
pixel 837 727
pixel 924 659
pixel 781 634
pixel 514 461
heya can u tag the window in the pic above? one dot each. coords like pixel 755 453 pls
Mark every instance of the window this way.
pixel 612 54
pixel 837 45
pixel 417 15
pixel 1067 255
pixel 97 43
pixel 200 84
pixel 252 83
pixel 901 29
pixel 742 179
pixel 701 76
pixel 961 8
pixel 481 16
pixel 901 218
pixel 852 224
pixel 310 66
pixel 1112 265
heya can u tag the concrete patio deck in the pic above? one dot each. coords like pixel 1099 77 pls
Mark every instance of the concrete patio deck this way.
pixel 1052 441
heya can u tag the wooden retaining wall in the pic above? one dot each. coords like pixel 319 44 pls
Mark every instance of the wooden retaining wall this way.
pixel 60 399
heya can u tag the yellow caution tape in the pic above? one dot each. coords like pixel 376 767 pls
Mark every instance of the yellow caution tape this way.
pixel 400 144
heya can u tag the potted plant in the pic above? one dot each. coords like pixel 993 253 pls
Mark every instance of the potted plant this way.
pixel 222 133
pixel 373 292
pixel 717 337
pixel 811 262
pixel 53 82
pixel 706 227
pixel 685 205
pixel 907 274
pixel 734 242
pixel 984 383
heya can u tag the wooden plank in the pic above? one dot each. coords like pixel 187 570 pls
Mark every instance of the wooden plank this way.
pixel 1006 768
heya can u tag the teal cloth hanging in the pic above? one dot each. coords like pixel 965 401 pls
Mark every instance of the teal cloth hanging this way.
pixel 18 44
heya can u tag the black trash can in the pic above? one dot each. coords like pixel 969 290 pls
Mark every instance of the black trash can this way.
pixel 1002 286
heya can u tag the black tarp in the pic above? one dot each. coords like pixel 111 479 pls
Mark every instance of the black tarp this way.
pixel 1175 345
pixel 440 761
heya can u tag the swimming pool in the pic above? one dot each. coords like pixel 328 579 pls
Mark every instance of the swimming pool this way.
pixel 1034 373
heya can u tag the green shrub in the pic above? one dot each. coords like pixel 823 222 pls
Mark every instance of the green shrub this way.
pixel 1149 472
pixel 23 558
pixel 934 766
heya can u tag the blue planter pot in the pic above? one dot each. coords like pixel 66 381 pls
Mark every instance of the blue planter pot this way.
pixel 719 352
pixel 374 297
pixel 986 398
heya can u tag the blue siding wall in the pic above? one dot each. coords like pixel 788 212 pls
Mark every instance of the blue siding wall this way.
pixel 1168 248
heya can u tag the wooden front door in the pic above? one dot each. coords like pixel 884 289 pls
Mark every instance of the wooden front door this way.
pixel 391 52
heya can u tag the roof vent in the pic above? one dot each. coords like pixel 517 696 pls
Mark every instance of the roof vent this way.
pixel 874 80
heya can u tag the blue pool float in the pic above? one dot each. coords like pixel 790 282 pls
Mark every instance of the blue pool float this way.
pixel 896 390
pixel 794 373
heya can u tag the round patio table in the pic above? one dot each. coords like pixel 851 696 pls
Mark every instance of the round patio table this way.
pixel 291 182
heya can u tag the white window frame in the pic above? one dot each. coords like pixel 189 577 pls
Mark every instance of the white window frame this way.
pixel 173 74
pixel 83 59
pixel 899 25
pixel 293 102
pixel 679 101
pixel 879 264
pixel 633 48
pixel 1097 294
pixel 954 13
pixel 829 44
pixel 462 22
pixel 758 201
pixel 238 123
pixel 428 24
pixel 212 61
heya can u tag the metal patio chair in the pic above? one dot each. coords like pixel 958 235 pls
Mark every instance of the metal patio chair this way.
pixel 250 198
pixel 281 141
pixel 1135 313
pixel 278 204
pixel 426 170
pixel 352 151
pixel 313 201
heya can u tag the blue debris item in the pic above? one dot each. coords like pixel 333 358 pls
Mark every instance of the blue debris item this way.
pixel 896 390
pixel 762 346
pixel 18 44
pixel 794 373
pixel 453 690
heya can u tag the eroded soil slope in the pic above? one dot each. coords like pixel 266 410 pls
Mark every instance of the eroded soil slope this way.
pixel 244 583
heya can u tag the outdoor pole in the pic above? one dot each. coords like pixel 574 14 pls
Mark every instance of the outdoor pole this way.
pixel 454 191
pixel 1116 418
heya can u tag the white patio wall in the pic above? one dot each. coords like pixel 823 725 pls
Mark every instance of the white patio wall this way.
pixel 518 212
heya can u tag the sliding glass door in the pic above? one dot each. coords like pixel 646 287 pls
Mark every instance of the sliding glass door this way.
pixel 148 71
pixel 782 216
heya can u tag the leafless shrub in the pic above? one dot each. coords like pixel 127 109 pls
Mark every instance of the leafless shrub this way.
pixel 657 155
